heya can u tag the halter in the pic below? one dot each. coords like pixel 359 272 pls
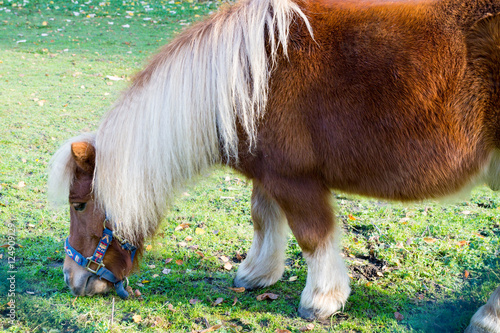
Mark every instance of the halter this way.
pixel 96 259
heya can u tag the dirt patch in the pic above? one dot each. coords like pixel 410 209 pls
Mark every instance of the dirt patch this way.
pixel 368 267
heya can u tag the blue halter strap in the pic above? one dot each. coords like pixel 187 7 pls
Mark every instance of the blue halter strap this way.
pixel 95 265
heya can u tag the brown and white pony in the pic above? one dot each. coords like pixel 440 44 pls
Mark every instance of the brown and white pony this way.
pixel 391 99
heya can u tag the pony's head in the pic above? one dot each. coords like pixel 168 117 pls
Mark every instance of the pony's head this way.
pixel 96 259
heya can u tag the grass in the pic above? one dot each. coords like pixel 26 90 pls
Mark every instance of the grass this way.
pixel 433 264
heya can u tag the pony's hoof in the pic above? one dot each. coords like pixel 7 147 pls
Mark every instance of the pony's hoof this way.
pixel 476 329
pixel 239 282
pixel 307 313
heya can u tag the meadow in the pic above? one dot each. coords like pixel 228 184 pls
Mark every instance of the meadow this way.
pixel 425 267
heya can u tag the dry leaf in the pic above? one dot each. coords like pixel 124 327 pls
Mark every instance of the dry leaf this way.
pixel 199 231
pixel 269 296
pixel 430 240
pixel 166 271
pixel 149 247
pixel 20 185
pixel 463 243
pixel 228 266
pixel 151 266
pixel 179 262
pixel 182 226
pixel 155 276
pixel 171 308
pixel 352 218
pixel 398 316
pixel 238 290
pixel 200 254
pixel 218 301
pixel 137 293
pixel 168 260
pixel 306 328
pixel 466 274
pixel 188 238
pixel 137 318
pixel 224 258
pixel 211 329
pixel 292 278
pixel 235 300
pixel 238 256
pixel 193 301
pixel 114 78
pixel 182 244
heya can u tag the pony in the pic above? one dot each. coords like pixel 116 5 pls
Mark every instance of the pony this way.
pixel 396 100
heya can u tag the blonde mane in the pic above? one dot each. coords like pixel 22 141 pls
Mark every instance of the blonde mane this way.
pixel 182 111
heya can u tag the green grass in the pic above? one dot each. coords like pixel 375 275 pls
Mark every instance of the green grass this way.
pixel 410 259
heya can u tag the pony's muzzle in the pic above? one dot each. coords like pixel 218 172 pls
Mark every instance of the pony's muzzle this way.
pixel 81 282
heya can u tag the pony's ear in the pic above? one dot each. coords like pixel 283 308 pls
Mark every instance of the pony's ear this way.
pixel 483 40
pixel 84 155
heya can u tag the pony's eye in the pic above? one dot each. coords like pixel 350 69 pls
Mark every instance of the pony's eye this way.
pixel 79 206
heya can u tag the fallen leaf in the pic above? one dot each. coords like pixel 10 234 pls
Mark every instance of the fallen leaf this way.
pixel 292 278
pixel 188 238
pixel 137 293
pixel 352 218
pixel 466 274
pixel 30 292
pixel 466 212
pixel 137 318
pixel 430 240
pixel 282 331
pixel 200 254
pixel 235 300
pixel 182 226
pixel 114 78
pixel 149 247
pixel 463 243
pixel 265 296
pixel 168 260
pixel 152 266
pixel 193 301
pixel 238 290
pixel 218 301
pixel 199 231
pixel 166 271
pixel 171 308
pixel 182 244
pixel 306 328
pixel 398 316
pixel 238 256
pixel 21 184
pixel 179 262
pixel 224 258
pixel 155 276
pixel 211 329
pixel 228 266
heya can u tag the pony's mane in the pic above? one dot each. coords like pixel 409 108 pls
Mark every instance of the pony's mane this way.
pixel 182 110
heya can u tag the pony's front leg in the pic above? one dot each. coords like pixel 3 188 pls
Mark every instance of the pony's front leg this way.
pixel 307 206
pixel 487 318
pixel 265 261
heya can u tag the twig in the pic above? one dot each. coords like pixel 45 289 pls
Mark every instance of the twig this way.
pixel 112 313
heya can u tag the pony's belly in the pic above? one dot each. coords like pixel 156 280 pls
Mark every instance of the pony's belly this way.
pixel 412 180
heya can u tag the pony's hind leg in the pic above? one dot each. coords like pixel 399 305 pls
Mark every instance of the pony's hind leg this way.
pixel 307 206
pixel 487 318
pixel 265 261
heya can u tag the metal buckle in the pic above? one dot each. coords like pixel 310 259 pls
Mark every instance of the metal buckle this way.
pixel 89 262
